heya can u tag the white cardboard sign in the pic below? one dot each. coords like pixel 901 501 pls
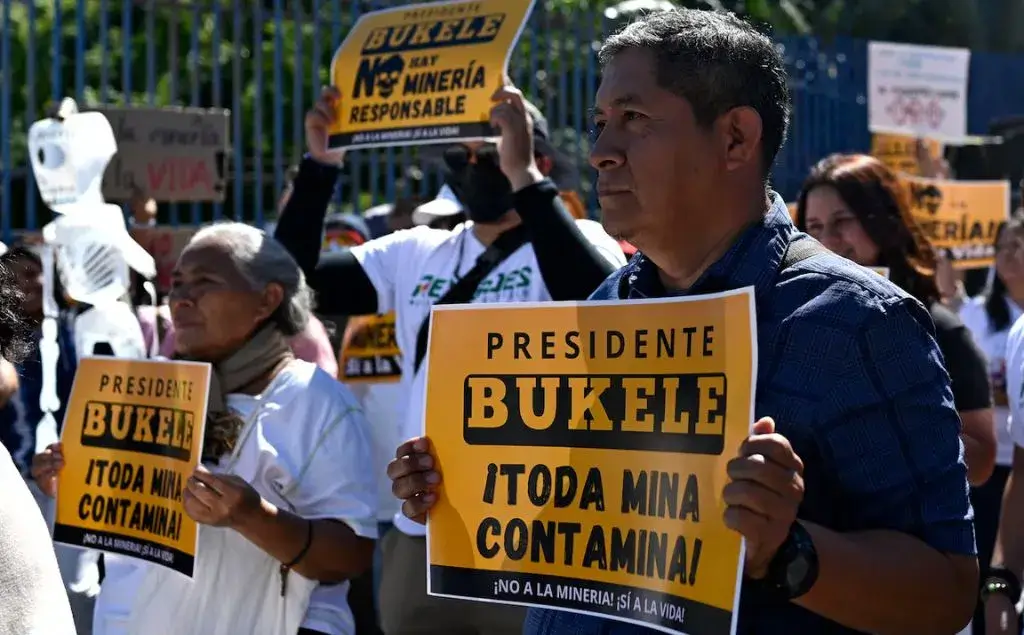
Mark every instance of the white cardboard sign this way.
pixel 918 91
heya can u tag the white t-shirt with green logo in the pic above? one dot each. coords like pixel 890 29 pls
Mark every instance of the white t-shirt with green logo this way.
pixel 412 269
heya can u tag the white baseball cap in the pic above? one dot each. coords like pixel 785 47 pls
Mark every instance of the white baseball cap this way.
pixel 444 204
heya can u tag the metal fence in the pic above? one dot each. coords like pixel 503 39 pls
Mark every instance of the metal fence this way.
pixel 265 61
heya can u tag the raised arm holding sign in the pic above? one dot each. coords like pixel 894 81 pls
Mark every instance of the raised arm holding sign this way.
pixel 424 73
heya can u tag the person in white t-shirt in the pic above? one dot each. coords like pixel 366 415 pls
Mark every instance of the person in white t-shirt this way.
pixel 989 318
pixel 549 256
pixel 1001 587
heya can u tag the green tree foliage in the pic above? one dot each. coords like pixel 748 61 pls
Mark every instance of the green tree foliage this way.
pixel 199 52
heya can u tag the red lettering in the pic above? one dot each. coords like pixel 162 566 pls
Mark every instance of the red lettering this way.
pixel 179 175
pixel 156 176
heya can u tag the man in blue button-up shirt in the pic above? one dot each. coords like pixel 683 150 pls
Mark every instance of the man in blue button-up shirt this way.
pixel 852 497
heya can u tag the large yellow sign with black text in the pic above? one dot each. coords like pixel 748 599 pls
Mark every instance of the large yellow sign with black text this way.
pixel 132 435
pixel 424 73
pixel 370 352
pixel 961 217
pixel 583 448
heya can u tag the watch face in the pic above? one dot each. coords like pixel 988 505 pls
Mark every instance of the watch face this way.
pixel 797 571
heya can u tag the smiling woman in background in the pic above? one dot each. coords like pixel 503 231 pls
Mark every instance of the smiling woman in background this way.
pixel 857 207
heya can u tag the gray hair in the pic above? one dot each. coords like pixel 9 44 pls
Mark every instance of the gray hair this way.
pixel 262 261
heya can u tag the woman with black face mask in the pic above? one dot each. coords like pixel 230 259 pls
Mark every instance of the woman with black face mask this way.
pixel 520 245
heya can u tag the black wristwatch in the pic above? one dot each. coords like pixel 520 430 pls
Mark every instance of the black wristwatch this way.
pixel 794 569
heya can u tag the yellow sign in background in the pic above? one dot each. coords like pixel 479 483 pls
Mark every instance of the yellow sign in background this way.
pixel 424 73
pixel 610 424
pixel 899 152
pixel 133 432
pixel 961 217
pixel 370 352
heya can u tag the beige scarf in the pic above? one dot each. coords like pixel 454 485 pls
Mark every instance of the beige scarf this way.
pixel 264 351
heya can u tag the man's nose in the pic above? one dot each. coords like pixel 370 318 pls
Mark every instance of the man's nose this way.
pixel 606 153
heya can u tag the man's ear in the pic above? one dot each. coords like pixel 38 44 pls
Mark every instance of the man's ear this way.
pixel 741 133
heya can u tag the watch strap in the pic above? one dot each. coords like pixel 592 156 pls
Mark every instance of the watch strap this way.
pixel 794 569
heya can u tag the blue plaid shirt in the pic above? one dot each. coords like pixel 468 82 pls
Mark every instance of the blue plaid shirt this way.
pixel 849 369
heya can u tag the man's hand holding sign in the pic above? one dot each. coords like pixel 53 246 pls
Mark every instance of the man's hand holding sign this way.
pixel 763 495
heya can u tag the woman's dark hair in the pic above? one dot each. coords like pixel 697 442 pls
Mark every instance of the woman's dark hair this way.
pixel 19 253
pixel 15 333
pixel 881 203
pixel 995 294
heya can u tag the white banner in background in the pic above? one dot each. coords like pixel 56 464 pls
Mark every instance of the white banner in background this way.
pixel 919 91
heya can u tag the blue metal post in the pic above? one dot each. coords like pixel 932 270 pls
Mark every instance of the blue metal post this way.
pixel 6 67
pixel 193 64
pixel 56 76
pixel 278 101
pixel 238 158
pixel 126 51
pixel 215 55
pixel 589 193
pixel 30 115
pixel 257 112
pixel 173 58
pixel 150 53
pixel 299 62
pixel 80 34
pixel 107 53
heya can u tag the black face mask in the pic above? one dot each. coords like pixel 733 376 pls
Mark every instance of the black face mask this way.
pixel 481 187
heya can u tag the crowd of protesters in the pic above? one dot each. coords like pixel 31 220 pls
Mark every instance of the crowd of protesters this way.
pixel 878 492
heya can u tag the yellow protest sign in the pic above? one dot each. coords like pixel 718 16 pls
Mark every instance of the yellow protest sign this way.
pixel 370 351
pixel 583 448
pixel 961 217
pixel 133 432
pixel 899 152
pixel 423 73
